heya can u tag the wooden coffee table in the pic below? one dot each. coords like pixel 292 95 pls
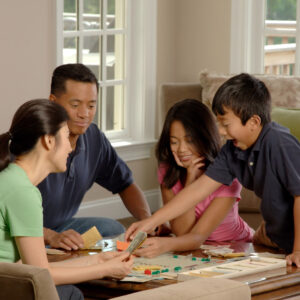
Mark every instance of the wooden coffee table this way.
pixel 275 286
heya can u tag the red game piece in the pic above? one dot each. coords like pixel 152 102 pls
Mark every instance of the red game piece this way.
pixel 147 271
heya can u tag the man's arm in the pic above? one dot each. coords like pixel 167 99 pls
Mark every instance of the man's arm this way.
pixel 135 202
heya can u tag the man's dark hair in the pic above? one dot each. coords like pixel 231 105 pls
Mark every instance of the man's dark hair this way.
pixel 246 96
pixel 76 72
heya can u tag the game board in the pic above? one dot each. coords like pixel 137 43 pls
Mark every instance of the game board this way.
pixel 169 265
pixel 244 267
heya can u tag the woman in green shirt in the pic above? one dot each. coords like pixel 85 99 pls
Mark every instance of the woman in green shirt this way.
pixel 38 142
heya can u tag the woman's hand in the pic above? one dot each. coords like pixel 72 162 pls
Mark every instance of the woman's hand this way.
pixel 154 246
pixel 105 256
pixel 119 266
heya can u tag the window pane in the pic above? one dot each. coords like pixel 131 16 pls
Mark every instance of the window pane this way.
pixel 70 50
pixel 115 57
pixel 280 33
pixel 92 53
pixel 114 108
pixel 92 14
pixel 115 14
pixel 70 15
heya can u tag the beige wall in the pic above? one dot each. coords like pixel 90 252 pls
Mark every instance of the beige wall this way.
pixel 192 35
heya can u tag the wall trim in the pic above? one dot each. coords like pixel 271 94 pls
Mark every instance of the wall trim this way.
pixel 112 207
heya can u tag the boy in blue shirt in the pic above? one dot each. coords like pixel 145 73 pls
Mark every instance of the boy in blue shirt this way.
pixel 261 154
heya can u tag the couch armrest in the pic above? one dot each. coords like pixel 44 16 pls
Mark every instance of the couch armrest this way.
pixel 19 281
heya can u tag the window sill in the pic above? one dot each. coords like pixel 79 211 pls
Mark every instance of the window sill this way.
pixel 134 150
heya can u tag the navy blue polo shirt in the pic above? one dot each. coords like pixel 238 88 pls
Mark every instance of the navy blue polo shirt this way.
pixel 94 160
pixel 270 168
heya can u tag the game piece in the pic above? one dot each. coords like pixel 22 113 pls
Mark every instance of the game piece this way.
pixel 176 269
pixel 165 270
pixel 122 245
pixel 91 237
pixel 175 256
pixel 194 258
pixel 147 272
pixel 137 241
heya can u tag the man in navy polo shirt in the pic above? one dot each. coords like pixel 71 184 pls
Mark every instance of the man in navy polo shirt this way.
pixel 93 159
pixel 261 154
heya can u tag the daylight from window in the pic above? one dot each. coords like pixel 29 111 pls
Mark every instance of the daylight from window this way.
pixel 280 37
pixel 94 34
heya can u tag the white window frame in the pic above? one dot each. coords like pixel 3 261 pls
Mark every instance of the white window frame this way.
pixel 247 37
pixel 140 93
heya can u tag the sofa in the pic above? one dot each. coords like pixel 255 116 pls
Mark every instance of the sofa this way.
pixel 26 282
pixel 285 94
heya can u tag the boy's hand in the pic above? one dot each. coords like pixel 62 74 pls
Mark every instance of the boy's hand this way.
pixel 144 225
pixel 294 258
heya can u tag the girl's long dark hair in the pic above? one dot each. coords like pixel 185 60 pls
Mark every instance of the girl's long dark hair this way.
pixel 32 120
pixel 198 121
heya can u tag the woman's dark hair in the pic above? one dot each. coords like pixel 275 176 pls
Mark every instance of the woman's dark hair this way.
pixel 199 123
pixel 32 120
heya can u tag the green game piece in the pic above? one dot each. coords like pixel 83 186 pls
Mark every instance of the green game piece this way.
pixel 175 256
pixel 155 272
pixel 176 269
pixel 203 259
pixel 165 270
pixel 194 258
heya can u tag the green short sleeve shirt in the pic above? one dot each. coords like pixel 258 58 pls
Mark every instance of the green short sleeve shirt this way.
pixel 21 212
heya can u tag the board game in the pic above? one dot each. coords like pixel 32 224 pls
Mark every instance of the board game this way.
pixel 169 265
pixel 240 268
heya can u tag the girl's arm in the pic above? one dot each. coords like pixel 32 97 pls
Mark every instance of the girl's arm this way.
pixel 183 223
pixel 32 251
pixel 184 200
pixel 209 221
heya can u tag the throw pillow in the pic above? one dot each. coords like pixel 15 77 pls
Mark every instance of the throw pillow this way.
pixel 288 117
pixel 284 90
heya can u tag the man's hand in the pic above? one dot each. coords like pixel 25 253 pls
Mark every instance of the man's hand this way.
pixel 68 240
pixel 294 258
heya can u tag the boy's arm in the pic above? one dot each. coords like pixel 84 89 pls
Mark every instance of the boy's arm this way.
pixel 295 256
pixel 184 200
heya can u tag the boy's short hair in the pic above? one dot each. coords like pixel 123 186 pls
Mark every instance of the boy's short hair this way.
pixel 246 96
pixel 76 72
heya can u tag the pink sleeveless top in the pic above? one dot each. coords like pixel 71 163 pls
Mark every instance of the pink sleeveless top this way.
pixel 233 227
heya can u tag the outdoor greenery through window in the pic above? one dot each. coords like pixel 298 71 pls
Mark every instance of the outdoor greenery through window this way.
pixel 94 33
pixel 280 37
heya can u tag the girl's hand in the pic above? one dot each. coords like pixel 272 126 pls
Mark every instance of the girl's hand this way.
pixel 153 247
pixel 119 266
pixel 143 225
pixel 294 258
pixel 194 169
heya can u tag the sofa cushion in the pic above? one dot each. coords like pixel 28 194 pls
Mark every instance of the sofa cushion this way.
pixel 284 90
pixel 26 282
pixel 289 118
pixel 200 288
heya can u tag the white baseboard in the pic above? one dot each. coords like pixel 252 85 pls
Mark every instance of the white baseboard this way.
pixel 113 207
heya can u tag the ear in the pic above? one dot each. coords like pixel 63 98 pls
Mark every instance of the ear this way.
pixel 254 122
pixel 48 141
pixel 52 97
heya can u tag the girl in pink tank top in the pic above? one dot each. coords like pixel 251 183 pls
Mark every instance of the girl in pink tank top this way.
pixel 188 144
